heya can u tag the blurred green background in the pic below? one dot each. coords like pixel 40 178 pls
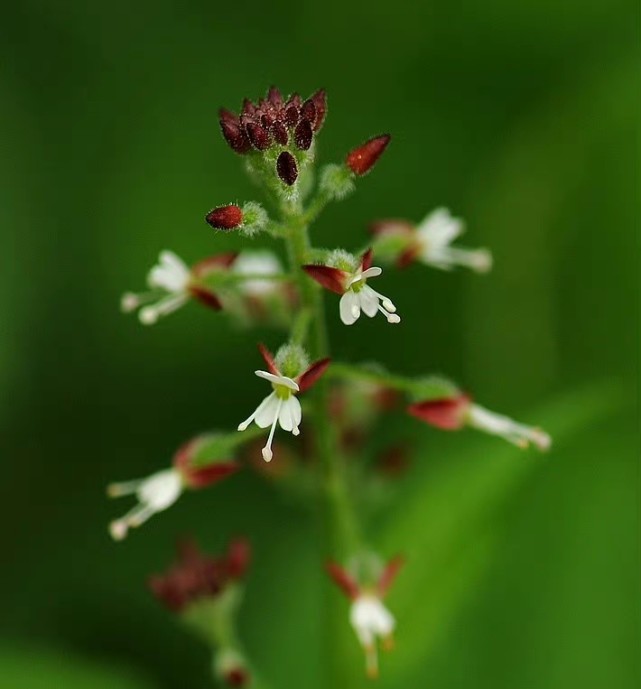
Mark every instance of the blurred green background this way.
pixel 521 117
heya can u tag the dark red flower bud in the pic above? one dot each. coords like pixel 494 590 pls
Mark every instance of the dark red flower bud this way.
pixel 267 121
pixel 291 115
pixel 275 97
pixel 235 135
pixel 225 217
pixel 248 107
pixel 258 136
pixel 295 100
pixel 308 111
pixel 362 159
pixel 320 103
pixel 286 168
pixel 227 115
pixel 279 132
pixel 303 135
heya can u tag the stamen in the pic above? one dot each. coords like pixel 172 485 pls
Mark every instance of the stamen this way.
pixel 267 450
pixel 391 317
pixel 116 490
pixel 140 515
pixel 371 661
pixel 150 314
pixel 245 424
pixel 118 529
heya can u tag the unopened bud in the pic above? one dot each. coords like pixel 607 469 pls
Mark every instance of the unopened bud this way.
pixel 258 136
pixel 279 132
pixel 303 135
pixel 320 103
pixel 308 111
pixel 362 159
pixel 234 135
pixel 225 217
pixel 286 168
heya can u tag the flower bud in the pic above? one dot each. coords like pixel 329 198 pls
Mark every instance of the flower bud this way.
pixel 234 134
pixel 303 135
pixel 279 132
pixel 362 159
pixel 320 104
pixel 225 217
pixel 258 136
pixel 286 168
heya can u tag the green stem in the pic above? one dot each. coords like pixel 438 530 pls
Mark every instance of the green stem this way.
pixel 340 525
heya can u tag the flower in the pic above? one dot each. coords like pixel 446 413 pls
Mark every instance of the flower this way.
pixel 172 284
pixel 349 279
pixel 369 617
pixel 196 576
pixel 195 465
pixel 282 405
pixel 254 265
pixel 453 413
pixel 430 242
pixel 362 159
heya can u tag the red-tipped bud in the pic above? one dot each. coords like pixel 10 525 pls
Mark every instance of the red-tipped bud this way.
pixel 320 104
pixel 235 135
pixel 312 374
pixel 286 168
pixel 303 135
pixel 362 159
pixel 227 115
pixel 448 414
pixel 248 107
pixel 258 136
pixel 225 217
pixel 291 115
pixel 330 278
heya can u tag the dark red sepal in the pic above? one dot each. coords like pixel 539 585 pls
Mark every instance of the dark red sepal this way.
pixel 363 158
pixel 388 575
pixel 269 359
pixel 320 103
pixel 366 260
pixel 235 135
pixel 312 374
pixel 447 414
pixel 407 257
pixel 330 278
pixel 286 168
pixel 303 135
pixel 206 297
pixel 343 580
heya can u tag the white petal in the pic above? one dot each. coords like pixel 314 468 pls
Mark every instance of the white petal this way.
pixel 278 380
pixel 290 414
pixel 439 229
pixel 170 274
pixel 349 307
pixel 266 412
pixel 369 301
pixel 160 490
pixel 372 272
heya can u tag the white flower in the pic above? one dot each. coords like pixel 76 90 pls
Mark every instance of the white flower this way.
pixel 435 234
pixel 257 263
pixel 281 406
pixel 516 433
pixel 169 282
pixel 371 620
pixel 155 494
pixel 359 296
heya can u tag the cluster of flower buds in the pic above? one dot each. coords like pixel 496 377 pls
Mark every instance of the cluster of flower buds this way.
pixel 366 581
pixel 346 275
pixel 403 243
pixel 458 411
pixel 172 284
pixel 289 373
pixel 204 591
pixel 284 127
pixel 199 463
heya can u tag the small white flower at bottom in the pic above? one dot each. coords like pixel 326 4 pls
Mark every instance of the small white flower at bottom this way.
pixel 155 494
pixel 361 297
pixel 435 234
pixel 170 276
pixel 371 620
pixel 514 432
pixel 281 406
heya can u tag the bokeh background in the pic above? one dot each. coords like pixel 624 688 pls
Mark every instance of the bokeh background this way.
pixel 521 117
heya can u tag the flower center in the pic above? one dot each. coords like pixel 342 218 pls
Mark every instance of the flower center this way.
pixel 358 286
pixel 282 392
